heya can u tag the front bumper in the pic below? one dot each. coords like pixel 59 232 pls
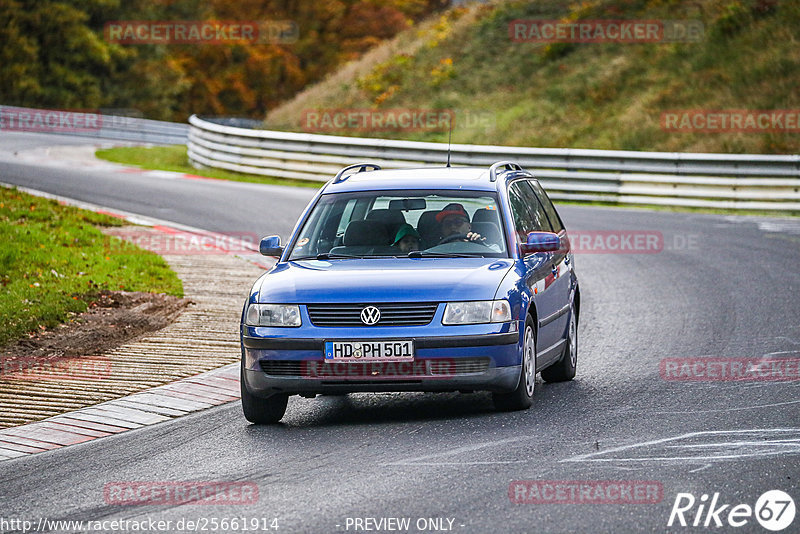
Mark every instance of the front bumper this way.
pixel 475 362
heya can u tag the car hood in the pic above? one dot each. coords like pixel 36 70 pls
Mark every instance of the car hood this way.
pixel 383 280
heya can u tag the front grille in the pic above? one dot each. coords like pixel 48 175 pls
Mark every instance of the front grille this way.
pixel 461 366
pixel 392 314
pixel 282 367
pixel 427 367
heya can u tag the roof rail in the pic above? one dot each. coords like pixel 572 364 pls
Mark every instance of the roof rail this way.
pixel 362 167
pixel 503 166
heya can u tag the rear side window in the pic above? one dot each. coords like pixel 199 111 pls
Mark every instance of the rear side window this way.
pixel 529 215
pixel 552 214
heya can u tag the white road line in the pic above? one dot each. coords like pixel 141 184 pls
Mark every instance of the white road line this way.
pixel 756 407
pixel 786 442
pixel 703 468
pixel 433 464
pixel 756 450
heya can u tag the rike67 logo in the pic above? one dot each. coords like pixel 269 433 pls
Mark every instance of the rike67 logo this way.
pixel 774 510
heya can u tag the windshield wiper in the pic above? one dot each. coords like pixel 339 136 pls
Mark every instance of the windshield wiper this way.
pixel 412 254
pixel 420 254
pixel 326 256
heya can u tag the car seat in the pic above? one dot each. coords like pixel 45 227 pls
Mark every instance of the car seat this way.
pixel 392 219
pixel 429 229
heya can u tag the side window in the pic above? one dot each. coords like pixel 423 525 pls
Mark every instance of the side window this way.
pixel 518 211
pixel 529 216
pixel 536 207
pixel 552 214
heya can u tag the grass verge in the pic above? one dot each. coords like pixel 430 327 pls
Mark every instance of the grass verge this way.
pixel 173 158
pixel 601 95
pixel 54 260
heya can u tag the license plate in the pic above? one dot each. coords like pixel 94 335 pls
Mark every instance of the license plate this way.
pixel 370 351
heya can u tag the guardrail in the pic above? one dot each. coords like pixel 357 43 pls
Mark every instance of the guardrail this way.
pixel 93 123
pixel 757 182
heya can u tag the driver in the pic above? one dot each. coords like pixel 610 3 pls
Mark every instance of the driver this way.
pixel 455 223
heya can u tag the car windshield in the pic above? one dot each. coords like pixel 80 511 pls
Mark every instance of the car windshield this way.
pixel 427 223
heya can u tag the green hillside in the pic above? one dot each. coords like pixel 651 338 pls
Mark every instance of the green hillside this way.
pixel 582 95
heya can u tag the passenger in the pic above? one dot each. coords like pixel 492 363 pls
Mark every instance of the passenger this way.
pixel 455 224
pixel 407 239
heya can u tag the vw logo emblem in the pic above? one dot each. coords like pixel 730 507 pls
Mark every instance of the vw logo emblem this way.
pixel 370 315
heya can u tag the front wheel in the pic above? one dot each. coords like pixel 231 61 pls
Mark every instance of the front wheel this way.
pixel 260 410
pixel 522 397
pixel 564 369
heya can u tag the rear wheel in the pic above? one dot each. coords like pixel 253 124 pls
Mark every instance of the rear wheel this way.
pixel 564 369
pixel 260 410
pixel 522 397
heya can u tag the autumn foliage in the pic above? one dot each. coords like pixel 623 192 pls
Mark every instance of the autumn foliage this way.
pixel 53 53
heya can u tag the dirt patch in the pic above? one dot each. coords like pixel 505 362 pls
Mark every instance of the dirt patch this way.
pixel 113 319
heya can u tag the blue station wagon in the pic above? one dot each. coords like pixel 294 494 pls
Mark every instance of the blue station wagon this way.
pixel 428 279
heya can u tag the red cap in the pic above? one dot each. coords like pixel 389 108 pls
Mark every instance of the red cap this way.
pixel 452 209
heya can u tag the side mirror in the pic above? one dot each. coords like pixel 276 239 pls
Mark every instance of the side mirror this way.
pixel 540 242
pixel 271 246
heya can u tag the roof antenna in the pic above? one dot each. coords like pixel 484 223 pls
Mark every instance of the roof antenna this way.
pixel 449 136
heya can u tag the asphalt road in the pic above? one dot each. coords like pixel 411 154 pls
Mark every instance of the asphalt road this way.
pixel 723 286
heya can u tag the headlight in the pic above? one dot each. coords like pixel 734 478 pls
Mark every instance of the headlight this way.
pixel 272 315
pixel 484 311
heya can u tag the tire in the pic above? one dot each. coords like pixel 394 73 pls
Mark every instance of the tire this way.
pixel 522 397
pixel 260 410
pixel 564 369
